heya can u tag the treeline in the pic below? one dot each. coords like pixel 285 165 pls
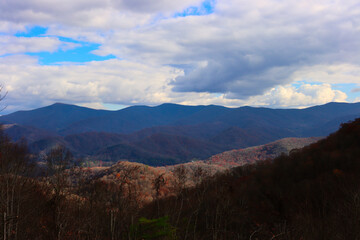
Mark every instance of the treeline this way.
pixel 54 200
pixel 313 193
pixel 51 196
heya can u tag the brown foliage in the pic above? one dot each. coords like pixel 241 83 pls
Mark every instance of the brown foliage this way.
pixel 312 193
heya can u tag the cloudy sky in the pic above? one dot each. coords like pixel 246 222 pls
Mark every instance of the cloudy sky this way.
pixel 115 53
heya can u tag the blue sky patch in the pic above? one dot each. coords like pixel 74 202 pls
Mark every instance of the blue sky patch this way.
pixel 113 106
pixel 80 54
pixel 348 89
pixel 298 84
pixel 343 87
pixel 206 8
pixel 35 31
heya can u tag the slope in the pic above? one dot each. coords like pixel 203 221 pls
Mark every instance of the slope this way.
pixel 239 157
pixel 67 119
pixel 52 118
pixel 311 194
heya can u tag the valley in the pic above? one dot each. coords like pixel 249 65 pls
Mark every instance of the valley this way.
pixel 204 172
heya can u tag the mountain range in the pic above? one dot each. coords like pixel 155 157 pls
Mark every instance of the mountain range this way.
pixel 168 133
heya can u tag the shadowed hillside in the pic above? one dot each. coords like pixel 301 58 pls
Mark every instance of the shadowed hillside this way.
pixel 313 193
pixel 168 133
pixel 69 119
pixel 52 118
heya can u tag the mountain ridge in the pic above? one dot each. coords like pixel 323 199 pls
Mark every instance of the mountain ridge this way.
pixel 179 114
pixel 140 127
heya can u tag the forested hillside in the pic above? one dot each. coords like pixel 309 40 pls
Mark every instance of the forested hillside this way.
pixel 312 193
pixel 250 155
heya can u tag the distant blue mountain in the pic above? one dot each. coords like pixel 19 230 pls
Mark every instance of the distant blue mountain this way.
pixel 69 119
pixel 54 117
pixel 210 129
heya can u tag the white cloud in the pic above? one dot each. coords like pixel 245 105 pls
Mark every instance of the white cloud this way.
pixel 14 45
pixel 334 73
pixel 245 53
pixel 287 96
pixel 10 27
pixel 30 85
pixel 303 96
pixel 112 81
pixel 249 47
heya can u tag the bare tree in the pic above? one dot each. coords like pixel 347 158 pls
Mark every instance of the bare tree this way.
pixel 179 184
pixel 2 96
pixel 14 168
pixel 58 160
pixel 158 183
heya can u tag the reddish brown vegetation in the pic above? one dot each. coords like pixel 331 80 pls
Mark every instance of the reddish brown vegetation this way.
pixel 240 157
pixel 311 194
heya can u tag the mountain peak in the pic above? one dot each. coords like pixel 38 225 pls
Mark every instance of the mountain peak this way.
pixel 59 104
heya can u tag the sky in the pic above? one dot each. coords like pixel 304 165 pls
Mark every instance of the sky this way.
pixel 114 53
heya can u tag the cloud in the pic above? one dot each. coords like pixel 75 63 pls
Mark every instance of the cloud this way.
pixel 154 6
pixel 14 45
pixel 236 79
pixel 243 53
pixel 331 73
pixel 10 27
pixel 113 81
pixel 89 13
pixel 287 96
pixel 305 95
pixel 30 85
pixel 245 49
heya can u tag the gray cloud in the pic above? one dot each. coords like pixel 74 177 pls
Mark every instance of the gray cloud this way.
pixel 122 82
pixel 236 76
pixel 154 6
pixel 13 45
pixel 243 50
pixel 269 57
pixel 89 13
